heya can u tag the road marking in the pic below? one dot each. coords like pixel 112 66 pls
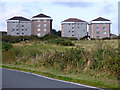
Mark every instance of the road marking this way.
pixel 54 79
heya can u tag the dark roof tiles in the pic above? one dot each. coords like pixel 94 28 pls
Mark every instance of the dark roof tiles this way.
pixel 41 15
pixel 73 20
pixel 101 19
pixel 19 18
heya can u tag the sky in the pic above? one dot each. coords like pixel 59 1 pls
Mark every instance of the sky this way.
pixel 60 11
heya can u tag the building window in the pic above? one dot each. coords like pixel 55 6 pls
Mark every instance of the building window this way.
pixel 38 29
pixel 17 29
pixel 98 28
pixel 104 32
pixel 26 29
pixel 78 27
pixel 83 30
pixel 72 23
pixel 72 31
pixel 44 34
pixel 17 33
pixel 45 29
pixel 78 24
pixel 13 30
pixel 72 35
pixel 69 23
pixel 45 20
pixel 17 26
pixel 38 20
pixel 72 27
pixel 104 28
pixel 69 31
pixel 38 34
pixel 45 25
pixel 97 32
pixel 22 25
pixel 81 23
pixel 22 33
pixel 22 29
pixel 97 37
pixel 38 25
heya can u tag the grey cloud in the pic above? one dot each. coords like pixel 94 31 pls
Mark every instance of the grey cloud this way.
pixel 75 4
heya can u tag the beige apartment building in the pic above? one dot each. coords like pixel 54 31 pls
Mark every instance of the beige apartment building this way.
pixel 41 25
pixel 74 27
pixel 99 28
pixel 19 26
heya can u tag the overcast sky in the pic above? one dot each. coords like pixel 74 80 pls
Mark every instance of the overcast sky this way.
pixel 60 11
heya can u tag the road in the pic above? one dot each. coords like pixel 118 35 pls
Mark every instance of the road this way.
pixel 19 79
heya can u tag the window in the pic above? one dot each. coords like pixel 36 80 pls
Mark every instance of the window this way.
pixel 45 29
pixel 69 31
pixel 22 29
pixel 72 31
pixel 17 29
pixel 22 33
pixel 38 25
pixel 69 23
pixel 104 28
pixel 17 26
pixel 104 32
pixel 45 20
pixel 72 23
pixel 38 29
pixel 97 32
pixel 26 29
pixel 83 30
pixel 98 28
pixel 38 34
pixel 72 35
pixel 44 34
pixel 17 33
pixel 97 37
pixel 22 25
pixel 78 24
pixel 78 27
pixel 81 23
pixel 45 25
pixel 72 27
pixel 38 20
pixel 13 30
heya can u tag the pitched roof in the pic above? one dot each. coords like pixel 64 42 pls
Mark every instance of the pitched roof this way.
pixel 41 15
pixel 19 18
pixel 73 20
pixel 100 19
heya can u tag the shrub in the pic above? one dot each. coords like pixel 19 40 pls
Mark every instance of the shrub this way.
pixel 106 38
pixel 49 36
pixel 70 38
pixel 6 46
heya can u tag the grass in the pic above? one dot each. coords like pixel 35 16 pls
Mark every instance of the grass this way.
pixel 71 78
pixel 90 62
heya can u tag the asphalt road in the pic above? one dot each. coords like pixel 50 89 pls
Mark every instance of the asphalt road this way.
pixel 17 79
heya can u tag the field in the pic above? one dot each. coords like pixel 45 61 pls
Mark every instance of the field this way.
pixel 91 62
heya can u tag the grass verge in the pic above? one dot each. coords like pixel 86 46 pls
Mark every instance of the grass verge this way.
pixel 91 82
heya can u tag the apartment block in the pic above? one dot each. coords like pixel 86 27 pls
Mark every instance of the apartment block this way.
pixel 74 27
pixel 41 25
pixel 18 26
pixel 99 28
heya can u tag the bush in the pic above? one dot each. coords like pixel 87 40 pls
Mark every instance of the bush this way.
pixel 70 38
pixel 106 38
pixel 6 46
pixel 16 39
pixel 49 36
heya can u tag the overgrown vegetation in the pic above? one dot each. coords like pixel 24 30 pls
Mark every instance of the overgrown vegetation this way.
pixel 100 62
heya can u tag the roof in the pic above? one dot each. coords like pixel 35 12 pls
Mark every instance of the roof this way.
pixel 73 20
pixel 41 15
pixel 19 18
pixel 100 19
